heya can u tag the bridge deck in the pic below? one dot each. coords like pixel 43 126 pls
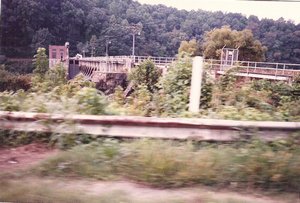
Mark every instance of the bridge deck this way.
pixel 93 66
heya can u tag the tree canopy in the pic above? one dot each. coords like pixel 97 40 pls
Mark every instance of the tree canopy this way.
pixel 191 47
pixel 250 49
pixel 28 24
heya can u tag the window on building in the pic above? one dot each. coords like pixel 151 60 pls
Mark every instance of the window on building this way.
pixel 54 54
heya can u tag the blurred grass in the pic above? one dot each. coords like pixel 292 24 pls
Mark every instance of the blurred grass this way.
pixel 172 164
pixel 34 190
pixel 48 190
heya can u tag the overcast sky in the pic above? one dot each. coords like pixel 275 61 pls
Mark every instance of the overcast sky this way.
pixel 289 10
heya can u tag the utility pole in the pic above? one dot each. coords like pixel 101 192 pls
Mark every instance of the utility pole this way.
pixel 133 42
pixel 135 30
pixel 106 50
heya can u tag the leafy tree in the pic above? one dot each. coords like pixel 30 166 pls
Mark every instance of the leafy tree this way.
pixel 42 38
pixel 40 62
pixel 176 86
pixel 173 96
pixel 93 44
pixel 95 21
pixel 145 74
pixel 249 48
pixel 83 48
pixel 190 47
pixel 24 25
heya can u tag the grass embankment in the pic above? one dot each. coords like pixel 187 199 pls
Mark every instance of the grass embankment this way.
pixel 172 164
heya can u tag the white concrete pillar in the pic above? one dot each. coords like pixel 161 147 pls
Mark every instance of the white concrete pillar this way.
pixel 195 92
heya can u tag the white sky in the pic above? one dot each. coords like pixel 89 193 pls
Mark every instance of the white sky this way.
pixel 289 10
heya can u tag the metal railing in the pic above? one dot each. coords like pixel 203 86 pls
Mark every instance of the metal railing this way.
pixel 156 60
pixel 135 59
pixel 250 67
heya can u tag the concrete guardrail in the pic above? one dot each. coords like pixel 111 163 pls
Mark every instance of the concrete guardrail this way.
pixel 147 127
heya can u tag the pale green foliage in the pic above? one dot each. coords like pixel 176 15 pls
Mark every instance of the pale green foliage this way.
pixel 40 62
pixel 249 48
pixel 145 74
pixel 84 101
pixel 145 78
pixel 176 86
pixel 55 81
pixel 257 100
pixel 192 48
pixel 90 101
pixel 290 110
pixel 52 93
pixel 53 78
pixel 57 76
pixel 118 96
pixel 75 85
pixel 9 102
pixel 140 102
pixel 234 113
pixel 228 80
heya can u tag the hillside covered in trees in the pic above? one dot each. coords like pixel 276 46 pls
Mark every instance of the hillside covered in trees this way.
pixel 88 25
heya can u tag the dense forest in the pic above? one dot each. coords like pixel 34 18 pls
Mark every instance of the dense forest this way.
pixel 90 25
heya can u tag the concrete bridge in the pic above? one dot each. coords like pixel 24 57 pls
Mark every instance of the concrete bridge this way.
pixel 93 68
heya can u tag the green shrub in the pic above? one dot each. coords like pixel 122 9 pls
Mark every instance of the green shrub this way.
pixel 9 102
pixel 176 86
pixel 75 85
pixel 140 102
pixel 21 67
pixel 248 113
pixel 145 74
pixel 52 79
pixel 13 81
pixel 90 101
pixel 118 96
pixel 15 138
pixel 40 63
pixel 85 101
